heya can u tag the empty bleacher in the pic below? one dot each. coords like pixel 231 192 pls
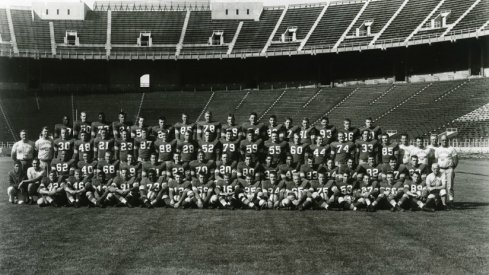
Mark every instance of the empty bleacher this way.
pixel 224 103
pixel 377 11
pixel 30 35
pixel 333 24
pixel 256 101
pixel 200 27
pixel 254 34
pixel 475 18
pixel 292 99
pixel 4 30
pixel 92 30
pixel 456 8
pixel 165 26
pixel 408 19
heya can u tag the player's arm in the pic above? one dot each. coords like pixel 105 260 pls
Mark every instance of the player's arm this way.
pixel 14 151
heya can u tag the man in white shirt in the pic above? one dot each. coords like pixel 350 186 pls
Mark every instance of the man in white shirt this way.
pixel 34 177
pixel 419 151
pixel 436 186
pixel 45 149
pixel 447 159
pixel 23 151
pixel 405 149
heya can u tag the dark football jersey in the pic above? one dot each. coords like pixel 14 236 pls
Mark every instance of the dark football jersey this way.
pixel 136 131
pixel 373 172
pixel 157 167
pixel 188 150
pixel 68 128
pixel 366 148
pixel 341 151
pixel 97 126
pixel 82 127
pixel 145 147
pixel 180 129
pixel 231 149
pixel 235 130
pixel 103 145
pixel 328 133
pixel 121 126
pixel 276 150
pixel 351 134
pixel 388 150
pixel 210 148
pixel 319 153
pixel 84 147
pixel 213 127
pixel 198 167
pixel 309 172
pixel 62 167
pixel 109 168
pixel 87 168
pixel 124 148
pixel 165 149
pixel 64 145
pixel 374 131
pixel 297 151
pixel 225 168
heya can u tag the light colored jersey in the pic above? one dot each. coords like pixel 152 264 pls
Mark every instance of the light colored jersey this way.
pixel 33 174
pixel 44 148
pixel 405 152
pixel 23 150
pixel 422 153
pixel 433 180
pixel 445 156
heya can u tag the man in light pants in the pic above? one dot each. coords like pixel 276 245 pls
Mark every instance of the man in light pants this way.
pixel 448 161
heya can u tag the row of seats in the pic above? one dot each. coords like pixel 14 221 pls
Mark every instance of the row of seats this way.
pixel 417 108
pixel 32 33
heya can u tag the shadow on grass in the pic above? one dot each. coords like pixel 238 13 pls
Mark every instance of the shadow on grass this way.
pixel 469 205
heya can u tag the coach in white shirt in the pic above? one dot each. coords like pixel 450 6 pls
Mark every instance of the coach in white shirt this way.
pixel 447 159
pixel 23 151
pixel 45 149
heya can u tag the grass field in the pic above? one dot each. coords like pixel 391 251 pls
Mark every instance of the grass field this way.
pixel 166 241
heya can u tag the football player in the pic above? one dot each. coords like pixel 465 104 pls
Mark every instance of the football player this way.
pixel 230 146
pixel 271 192
pixel 294 192
pixel 201 166
pixel 109 166
pixel 275 148
pixel 160 129
pixel 366 147
pixel 350 133
pixel 103 144
pixel 318 193
pixel 100 124
pixel 286 170
pixel 120 125
pixel 297 149
pixel 35 174
pixel 274 127
pixel 123 146
pixel 415 166
pixel 225 166
pixel 187 148
pixel 63 165
pixel 65 124
pixel 246 191
pixel 63 144
pixel 84 145
pixel 178 189
pixel 374 131
pixel 247 167
pixel 231 125
pixel 176 166
pixel 370 168
pixel 415 193
pixel 390 191
pixel 124 189
pixel 268 167
pixel 143 146
pixel 82 126
pixel 203 189
pixel 224 192
pixel 211 148
pixel 154 165
pixel 149 188
pixel 342 192
pixel 364 192
pixel 342 150
pixel 185 126
pixel 289 129
pixel 388 149
pixel 137 127
pixel 132 165
pixel 165 148
pixel 306 132
pixel 307 170
pixel 97 191
pixel 86 166
pixel 399 171
pixel 326 131
pixel 319 151
pixel 251 146
pixel 253 124
pixel 51 191
pixel 75 189
pixel 210 126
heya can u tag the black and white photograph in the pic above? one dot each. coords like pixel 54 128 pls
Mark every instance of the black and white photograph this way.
pixel 244 137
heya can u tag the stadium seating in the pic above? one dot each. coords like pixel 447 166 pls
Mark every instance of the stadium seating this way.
pixel 224 103
pixel 201 26
pixel 292 99
pixel 475 18
pixel 4 30
pixel 92 30
pixel 456 8
pixel 254 34
pixel 408 19
pixel 165 26
pixel 333 24
pixel 378 11
pixel 301 17
pixel 256 101
pixel 31 34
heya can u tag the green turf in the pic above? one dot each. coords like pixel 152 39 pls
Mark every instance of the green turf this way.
pixel 167 241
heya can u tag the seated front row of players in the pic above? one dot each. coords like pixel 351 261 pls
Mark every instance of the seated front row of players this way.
pixel 367 188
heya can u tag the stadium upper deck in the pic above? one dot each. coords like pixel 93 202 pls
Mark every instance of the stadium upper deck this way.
pixel 153 31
